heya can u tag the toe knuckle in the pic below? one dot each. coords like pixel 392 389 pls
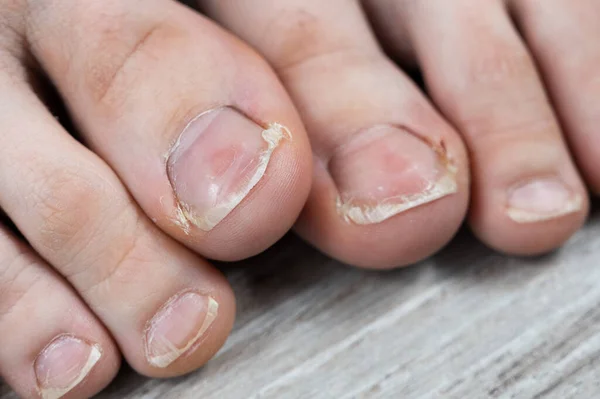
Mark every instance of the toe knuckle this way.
pixel 11 19
pixel 116 64
pixel 499 95
pixel 499 66
pixel 89 228
pixel 486 130
pixel 122 265
pixel 68 204
pixel 491 85
pixel 12 48
pixel 299 36
pixel 104 45
pixel 16 281
pixel 123 47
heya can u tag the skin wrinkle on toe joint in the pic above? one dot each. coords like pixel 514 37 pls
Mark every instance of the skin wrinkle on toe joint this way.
pixel 372 214
pixel 273 134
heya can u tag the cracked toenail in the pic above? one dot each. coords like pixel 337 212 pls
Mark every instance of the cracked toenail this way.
pixel 63 364
pixel 541 200
pixel 387 170
pixel 178 326
pixel 218 159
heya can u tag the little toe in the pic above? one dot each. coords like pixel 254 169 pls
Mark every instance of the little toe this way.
pixel 47 352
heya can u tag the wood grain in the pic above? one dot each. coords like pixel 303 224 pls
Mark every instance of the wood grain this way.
pixel 467 323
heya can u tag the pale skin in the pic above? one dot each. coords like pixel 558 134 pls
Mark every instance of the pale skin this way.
pixel 207 136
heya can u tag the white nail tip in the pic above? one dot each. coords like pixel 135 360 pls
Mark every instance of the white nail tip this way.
pixel 175 353
pixel 364 215
pixel 272 135
pixel 575 204
pixel 56 393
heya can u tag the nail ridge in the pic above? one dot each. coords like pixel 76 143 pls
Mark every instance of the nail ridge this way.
pixel 272 135
pixel 57 393
pixel 163 361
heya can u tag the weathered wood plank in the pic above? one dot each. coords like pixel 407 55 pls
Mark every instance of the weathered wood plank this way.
pixel 468 323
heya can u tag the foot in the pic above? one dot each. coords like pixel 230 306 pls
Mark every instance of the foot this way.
pixel 391 176
pixel 190 141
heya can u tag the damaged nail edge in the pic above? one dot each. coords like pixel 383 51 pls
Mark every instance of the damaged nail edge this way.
pixel 388 208
pixel 364 215
pixel 93 358
pixel 522 216
pixel 272 135
pixel 163 361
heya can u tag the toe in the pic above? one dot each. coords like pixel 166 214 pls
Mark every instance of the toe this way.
pixel 194 123
pixel 47 352
pixel 168 310
pixel 390 180
pixel 563 37
pixel 527 195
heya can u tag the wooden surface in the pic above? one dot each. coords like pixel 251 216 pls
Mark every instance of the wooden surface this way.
pixel 468 323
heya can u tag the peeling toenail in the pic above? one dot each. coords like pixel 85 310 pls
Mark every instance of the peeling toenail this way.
pixel 541 200
pixel 178 326
pixel 63 364
pixel 387 170
pixel 217 160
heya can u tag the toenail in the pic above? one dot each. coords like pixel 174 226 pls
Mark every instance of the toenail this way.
pixel 178 326
pixel 217 160
pixel 540 200
pixel 387 170
pixel 63 364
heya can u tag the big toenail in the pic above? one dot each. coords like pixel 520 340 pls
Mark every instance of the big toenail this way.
pixel 63 364
pixel 220 156
pixel 542 199
pixel 178 326
pixel 387 170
